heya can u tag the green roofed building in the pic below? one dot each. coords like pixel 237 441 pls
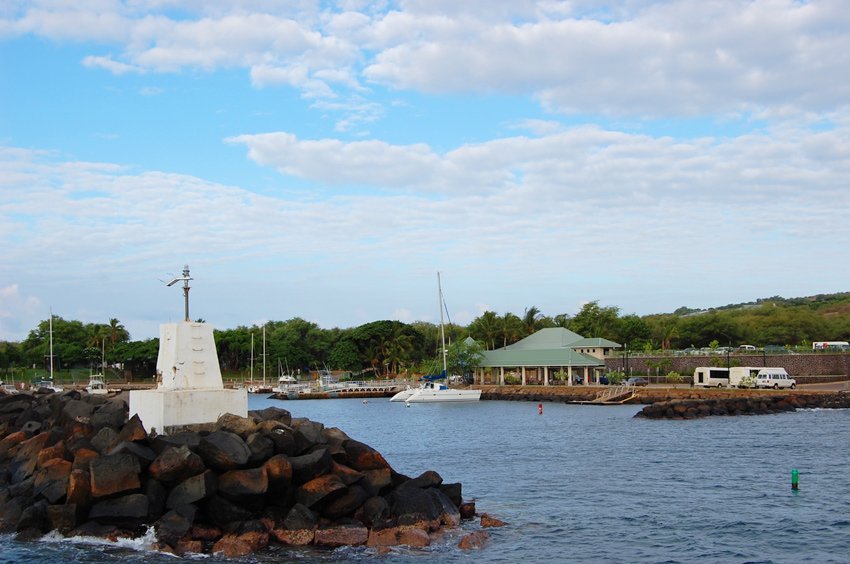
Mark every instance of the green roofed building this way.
pixel 549 356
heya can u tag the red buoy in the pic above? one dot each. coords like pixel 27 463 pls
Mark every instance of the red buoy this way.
pixel 540 408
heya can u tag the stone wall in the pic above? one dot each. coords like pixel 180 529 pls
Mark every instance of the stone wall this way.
pixel 797 365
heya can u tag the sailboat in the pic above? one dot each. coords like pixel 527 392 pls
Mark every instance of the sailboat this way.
pixel 432 389
pixel 286 382
pixel 254 388
pixel 97 382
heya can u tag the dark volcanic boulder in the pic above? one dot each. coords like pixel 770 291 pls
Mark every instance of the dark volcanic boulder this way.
pixel 111 414
pixel 327 488
pixel 278 472
pixel 192 490
pixel 175 524
pixel 51 481
pixel 309 466
pixel 76 410
pixel 242 485
pixel 224 513
pixel 307 435
pixel 242 426
pixel 224 451
pixel 300 517
pixel 346 505
pixel 262 448
pixel 364 457
pixel 280 435
pixel 62 518
pixel 175 464
pixel 273 414
pixel 129 511
pixel 113 474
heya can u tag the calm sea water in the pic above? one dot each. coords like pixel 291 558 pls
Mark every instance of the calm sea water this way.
pixel 590 484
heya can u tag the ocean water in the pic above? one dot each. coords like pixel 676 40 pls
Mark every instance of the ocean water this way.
pixel 586 484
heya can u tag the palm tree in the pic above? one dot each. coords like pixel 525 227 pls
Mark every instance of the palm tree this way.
pixel 512 329
pixel 397 348
pixel 530 319
pixel 117 332
pixel 487 327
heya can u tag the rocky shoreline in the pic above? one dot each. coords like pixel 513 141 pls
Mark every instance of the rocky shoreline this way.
pixel 753 405
pixel 75 464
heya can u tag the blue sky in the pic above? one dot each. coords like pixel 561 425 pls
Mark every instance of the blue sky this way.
pixel 326 159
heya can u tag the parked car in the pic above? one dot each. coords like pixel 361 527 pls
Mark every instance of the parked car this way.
pixel 603 380
pixel 774 378
pixel 637 381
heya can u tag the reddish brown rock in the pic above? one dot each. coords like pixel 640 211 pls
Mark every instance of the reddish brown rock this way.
pixel 49 453
pixel 12 440
pixel 395 536
pixel 51 481
pixel 26 458
pixel 488 521
pixel 474 540
pixel 344 535
pixel 377 482
pixel 467 510
pixel 297 537
pixel 113 474
pixel 83 457
pixel 363 457
pixel 79 488
pixel 205 532
pixel 175 464
pixel 231 546
pixel 132 431
pixel 241 484
pixel 278 472
pixel 189 546
pixel 324 487
pixel 347 475
pixel 242 426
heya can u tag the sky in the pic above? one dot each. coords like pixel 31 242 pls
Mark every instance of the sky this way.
pixel 325 160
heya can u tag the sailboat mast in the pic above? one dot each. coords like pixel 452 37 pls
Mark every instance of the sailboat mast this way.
pixel 51 344
pixel 264 356
pixel 252 359
pixel 442 328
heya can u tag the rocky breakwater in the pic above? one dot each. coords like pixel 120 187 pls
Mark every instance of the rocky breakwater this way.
pixel 74 463
pixel 750 405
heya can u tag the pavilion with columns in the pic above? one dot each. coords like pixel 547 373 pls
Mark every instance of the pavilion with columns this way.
pixel 552 356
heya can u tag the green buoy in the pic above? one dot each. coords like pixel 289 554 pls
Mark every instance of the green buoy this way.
pixel 794 479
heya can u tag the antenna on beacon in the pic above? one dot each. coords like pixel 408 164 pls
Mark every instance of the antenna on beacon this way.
pixel 185 278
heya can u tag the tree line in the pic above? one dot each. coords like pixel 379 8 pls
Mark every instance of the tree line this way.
pixel 394 347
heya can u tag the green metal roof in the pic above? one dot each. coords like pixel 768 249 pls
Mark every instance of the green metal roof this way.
pixel 595 342
pixel 547 347
pixel 551 338
pixel 532 357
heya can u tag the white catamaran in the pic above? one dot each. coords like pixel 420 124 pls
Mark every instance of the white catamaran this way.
pixel 432 390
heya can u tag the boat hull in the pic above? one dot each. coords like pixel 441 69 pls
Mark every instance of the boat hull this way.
pixel 443 395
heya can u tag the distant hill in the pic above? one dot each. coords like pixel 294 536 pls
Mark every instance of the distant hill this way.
pixel 825 304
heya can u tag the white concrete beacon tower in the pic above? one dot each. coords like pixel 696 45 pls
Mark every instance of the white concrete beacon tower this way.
pixel 189 387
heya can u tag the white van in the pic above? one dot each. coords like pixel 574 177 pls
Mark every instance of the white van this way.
pixel 743 376
pixel 711 377
pixel 774 378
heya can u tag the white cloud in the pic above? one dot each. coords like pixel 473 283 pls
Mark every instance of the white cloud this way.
pixel 640 58
pixel 627 219
pixel 113 66
pixel 18 313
